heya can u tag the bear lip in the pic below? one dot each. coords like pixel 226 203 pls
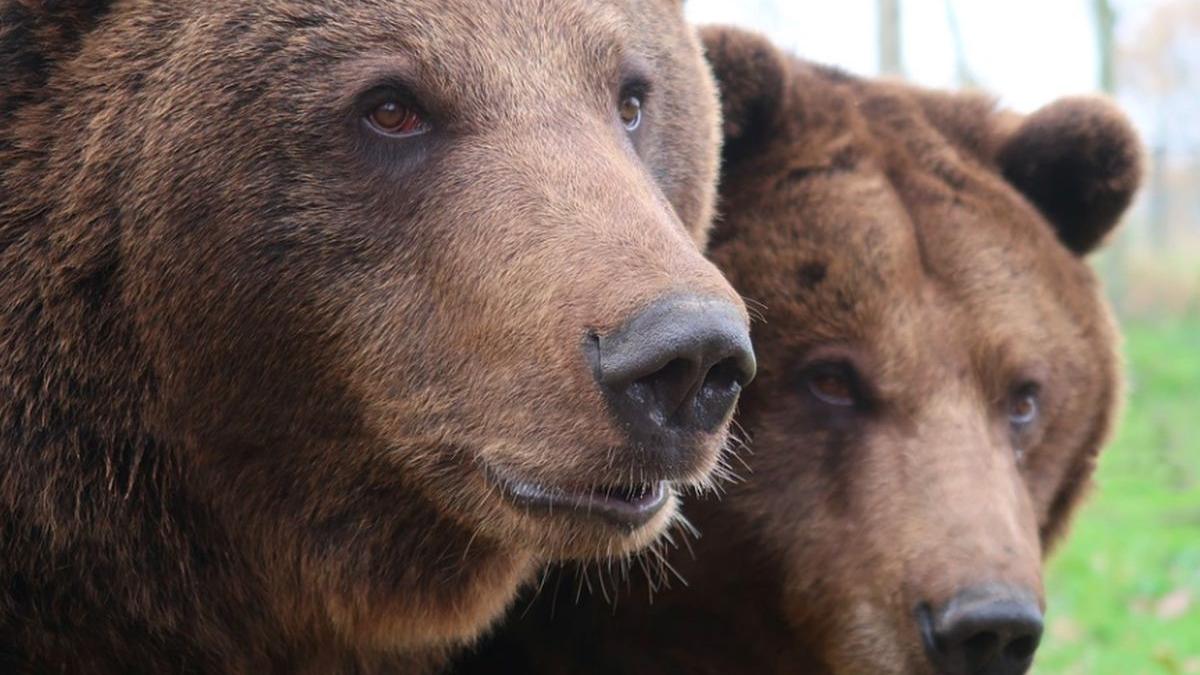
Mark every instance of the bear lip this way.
pixel 628 506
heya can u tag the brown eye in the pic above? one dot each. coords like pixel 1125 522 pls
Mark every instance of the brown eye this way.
pixel 1023 408
pixel 832 386
pixel 631 112
pixel 397 119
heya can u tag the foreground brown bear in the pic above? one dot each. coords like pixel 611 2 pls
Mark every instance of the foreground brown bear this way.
pixel 326 323
pixel 937 376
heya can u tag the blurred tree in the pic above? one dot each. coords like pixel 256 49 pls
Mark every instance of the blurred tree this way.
pixel 962 68
pixel 891 61
pixel 1162 60
pixel 1116 260
pixel 1106 24
pixel 1159 70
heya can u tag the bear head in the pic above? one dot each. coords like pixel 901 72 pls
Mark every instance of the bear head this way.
pixel 938 365
pixel 335 320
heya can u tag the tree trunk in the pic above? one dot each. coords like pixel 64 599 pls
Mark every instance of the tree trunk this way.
pixel 891 61
pixel 962 69
pixel 1115 263
pixel 1106 21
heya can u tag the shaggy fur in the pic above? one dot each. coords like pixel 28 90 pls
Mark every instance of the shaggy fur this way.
pixel 256 357
pixel 926 248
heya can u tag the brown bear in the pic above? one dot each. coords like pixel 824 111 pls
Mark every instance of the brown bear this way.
pixel 937 376
pixel 327 323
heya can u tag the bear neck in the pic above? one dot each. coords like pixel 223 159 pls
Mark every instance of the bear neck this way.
pixel 726 618
pixel 92 504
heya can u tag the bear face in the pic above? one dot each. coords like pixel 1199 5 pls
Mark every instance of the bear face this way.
pixel 939 368
pixel 937 375
pixel 322 310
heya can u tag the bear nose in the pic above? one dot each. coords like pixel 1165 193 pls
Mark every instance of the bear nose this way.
pixel 676 369
pixel 988 630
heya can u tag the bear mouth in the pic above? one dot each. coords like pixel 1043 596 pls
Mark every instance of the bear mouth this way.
pixel 627 506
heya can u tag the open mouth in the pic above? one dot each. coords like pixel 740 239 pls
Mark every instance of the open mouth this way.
pixel 629 506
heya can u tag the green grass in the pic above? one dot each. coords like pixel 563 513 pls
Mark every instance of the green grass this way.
pixel 1124 590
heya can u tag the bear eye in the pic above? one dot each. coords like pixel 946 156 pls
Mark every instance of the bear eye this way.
pixel 631 112
pixel 631 105
pixel 832 384
pixel 394 118
pixel 1024 406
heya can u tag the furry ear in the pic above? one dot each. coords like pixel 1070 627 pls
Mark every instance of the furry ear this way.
pixel 1079 161
pixel 752 76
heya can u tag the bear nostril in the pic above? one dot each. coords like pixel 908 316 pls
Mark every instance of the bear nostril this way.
pixel 666 390
pixel 719 391
pixel 726 375
pixel 1022 648
pixel 980 647
pixel 675 370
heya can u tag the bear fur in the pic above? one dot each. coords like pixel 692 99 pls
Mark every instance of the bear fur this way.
pixel 916 261
pixel 256 355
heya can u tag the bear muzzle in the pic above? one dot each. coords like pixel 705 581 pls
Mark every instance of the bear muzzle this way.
pixel 670 376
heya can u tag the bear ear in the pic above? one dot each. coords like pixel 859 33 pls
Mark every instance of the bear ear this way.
pixel 752 77
pixel 1080 162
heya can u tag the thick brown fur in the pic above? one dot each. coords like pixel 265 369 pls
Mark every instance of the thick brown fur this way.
pixel 256 359
pixel 893 233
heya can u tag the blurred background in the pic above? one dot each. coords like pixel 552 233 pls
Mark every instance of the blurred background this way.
pixel 1124 592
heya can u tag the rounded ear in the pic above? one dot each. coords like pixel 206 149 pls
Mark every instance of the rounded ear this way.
pixel 1080 162
pixel 752 76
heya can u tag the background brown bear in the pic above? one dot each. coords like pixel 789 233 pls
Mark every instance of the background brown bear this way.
pixel 326 323
pixel 937 376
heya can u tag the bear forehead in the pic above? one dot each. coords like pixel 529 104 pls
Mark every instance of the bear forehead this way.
pixel 880 238
pixel 513 30
pixel 488 58
pixel 467 63
pixel 874 227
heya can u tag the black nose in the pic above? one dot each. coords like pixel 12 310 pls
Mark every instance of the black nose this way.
pixel 675 369
pixel 986 630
